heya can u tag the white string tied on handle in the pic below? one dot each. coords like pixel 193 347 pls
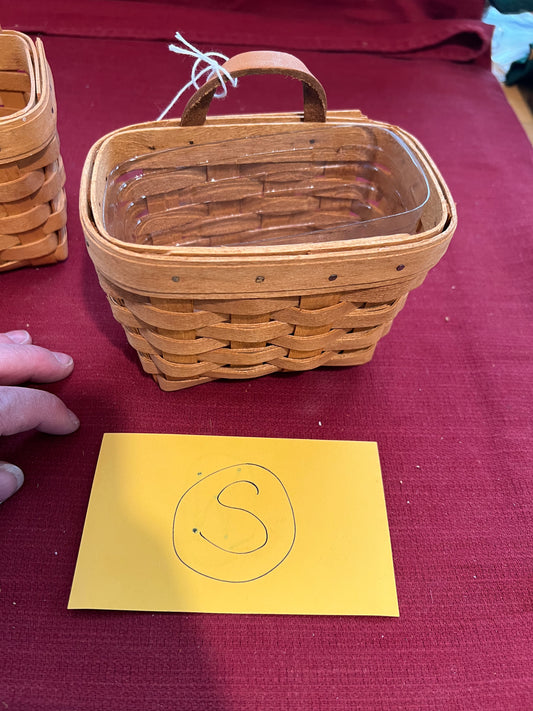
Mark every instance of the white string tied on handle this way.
pixel 213 67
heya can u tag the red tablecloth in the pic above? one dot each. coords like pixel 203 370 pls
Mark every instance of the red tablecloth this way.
pixel 447 395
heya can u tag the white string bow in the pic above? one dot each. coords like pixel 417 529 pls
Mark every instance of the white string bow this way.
pixel 213 67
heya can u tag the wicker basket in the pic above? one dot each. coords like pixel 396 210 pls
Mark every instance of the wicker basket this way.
pixel 231 306
pixel 32 198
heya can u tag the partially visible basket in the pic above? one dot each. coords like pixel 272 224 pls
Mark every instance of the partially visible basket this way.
pixel 226 310
pixel 32 196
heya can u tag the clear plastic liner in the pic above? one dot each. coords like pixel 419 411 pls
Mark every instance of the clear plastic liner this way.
pixel 311 185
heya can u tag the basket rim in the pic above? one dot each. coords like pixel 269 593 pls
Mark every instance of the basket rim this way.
pixel 95 229
pixel 35 124
pixel 32 66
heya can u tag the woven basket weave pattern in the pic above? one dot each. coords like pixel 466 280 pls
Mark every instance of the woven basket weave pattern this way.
pixel 188 342
pixel 32 177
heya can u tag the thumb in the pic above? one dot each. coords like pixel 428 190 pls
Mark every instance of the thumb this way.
pixel 11 479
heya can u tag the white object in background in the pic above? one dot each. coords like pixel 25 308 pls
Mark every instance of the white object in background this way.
pixel 511 40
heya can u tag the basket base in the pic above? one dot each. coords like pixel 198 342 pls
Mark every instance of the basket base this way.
pixel 185 342
pixel 170 385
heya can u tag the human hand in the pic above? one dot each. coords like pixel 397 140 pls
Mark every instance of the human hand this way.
pixel 24 409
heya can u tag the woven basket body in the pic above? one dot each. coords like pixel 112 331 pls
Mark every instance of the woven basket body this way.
pixel 32 196
pixel 224 308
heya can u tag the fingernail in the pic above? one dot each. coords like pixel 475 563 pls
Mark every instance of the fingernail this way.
pixel 11 479
pixel 64 359
pixel 75 420
pixel 20 337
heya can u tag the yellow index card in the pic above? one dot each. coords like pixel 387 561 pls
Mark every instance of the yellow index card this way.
pixel 236 525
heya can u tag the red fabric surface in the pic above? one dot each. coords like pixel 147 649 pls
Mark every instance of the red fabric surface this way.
pixel 396 29
pixel 447 397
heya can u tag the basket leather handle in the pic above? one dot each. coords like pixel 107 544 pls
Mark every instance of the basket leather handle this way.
pixel 263 62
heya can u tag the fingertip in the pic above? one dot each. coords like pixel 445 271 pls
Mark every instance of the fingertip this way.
pixel 20 337
pixel 11 479
pixel 29 363
pixel 65 422
pixel 74 419
pixel 63 359
pixel 24 409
